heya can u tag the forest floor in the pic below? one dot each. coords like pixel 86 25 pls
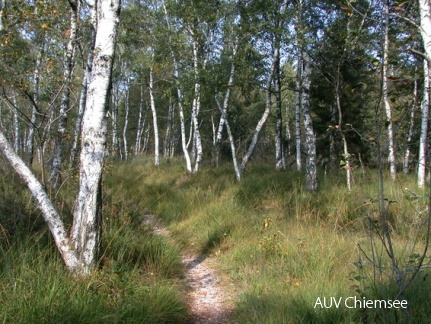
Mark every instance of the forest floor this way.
pixel 209 301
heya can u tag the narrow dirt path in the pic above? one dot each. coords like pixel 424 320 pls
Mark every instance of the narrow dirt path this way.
pixel 208 302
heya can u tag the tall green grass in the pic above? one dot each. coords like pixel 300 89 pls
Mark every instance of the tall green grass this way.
pixel 282 247
pixel 138 281
pixel 279 247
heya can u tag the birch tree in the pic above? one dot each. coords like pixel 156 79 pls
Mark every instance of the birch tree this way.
pixel 176 75
pixel 411 129
pixel 84 86
pixel 385 93
pixel 80 248
pixel 423 140
pixel 310 138
pixel 275 36
pixel 57 158
pixel 154 113
pixel 425 29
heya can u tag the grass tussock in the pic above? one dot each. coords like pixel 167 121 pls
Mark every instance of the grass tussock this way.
pixel 280 247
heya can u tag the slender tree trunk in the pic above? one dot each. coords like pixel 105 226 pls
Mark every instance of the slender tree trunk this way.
pixel 167 145
pixel 310 139
pixel 423 141
pixel 155 126
pixel 116 150
pixel 219 133
pixel 280 161
pixel 298 105
pixel 197 141
pixel 231 141
pixel 346 154
pixel 288 132
pixel 57 159
pixel 332 153
pixel 16 128
pixel 265 115
pixel 385 92
pixel 406 164
pixel 126 121
pixel 425 14
pixel 140 124
pixel 180 100
pixel 87 222
pixel 32 126
pixel 84 87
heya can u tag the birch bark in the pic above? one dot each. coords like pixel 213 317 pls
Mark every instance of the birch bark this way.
pixel 265 114
pixel 84 87
pixel 280 161
pixel 310 139
pixel 385 92
pixel 49 212
pixel 197 140
pixel 86 228
pixel 298 105
pixel 231 142
pixel 410 133
pixel 423 140
pixel 155 124
pixel 425 24
pixel 57 158
pixel 219 133
pixel 180 99
pixel 126 121
pixel 140 124
pixel 32 126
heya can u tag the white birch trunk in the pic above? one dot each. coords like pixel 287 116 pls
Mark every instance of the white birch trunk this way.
pixel 231 142
pixel 406 164
pixel 32 126
pixel 219 133
pixel 425 15
pixel 180 101
pixel 310 139
pixel 425 24
pixel 197 141
pixel 86 229
pixel 346 153
pixel 116 150
pixel 298 104
pixel 385 92
pixel 280 161
pixel 265 114
pixel 167 146
pixel 155 126
pixel 57 158
pixel 126 121
pixel 16 136
pixel 423 140
pixel 49 212
pixel 84 87
pixel 140 124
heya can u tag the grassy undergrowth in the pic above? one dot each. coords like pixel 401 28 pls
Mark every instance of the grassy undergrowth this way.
pixel 280 247
pixel 138 281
